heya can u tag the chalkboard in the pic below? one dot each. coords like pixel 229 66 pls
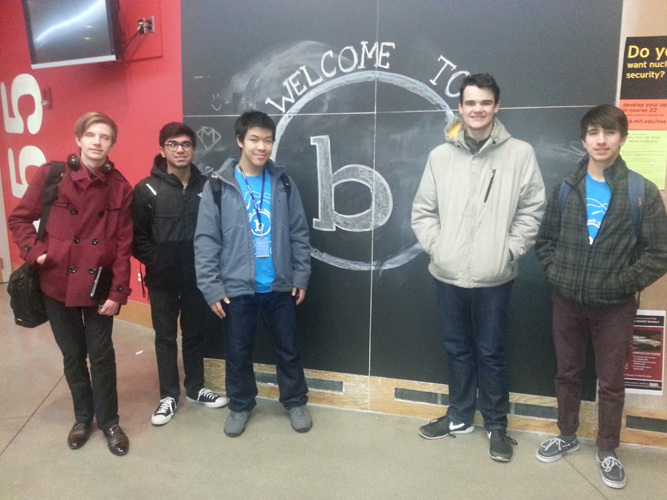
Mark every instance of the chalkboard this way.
pixel 361 93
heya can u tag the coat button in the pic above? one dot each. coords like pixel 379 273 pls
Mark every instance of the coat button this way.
pixel 91 270
pixel 101 213
pixel 77 240
pixel 72 269
pixel 26 248
pixel 94 241
pixel 119 288
pixel 73 211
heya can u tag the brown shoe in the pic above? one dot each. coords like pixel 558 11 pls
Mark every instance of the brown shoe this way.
pixel 119 444
pixel 79 435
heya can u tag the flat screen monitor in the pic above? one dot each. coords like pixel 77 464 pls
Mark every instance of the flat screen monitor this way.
pixel 69 32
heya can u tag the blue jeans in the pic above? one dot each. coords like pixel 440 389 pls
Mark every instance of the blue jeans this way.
pixel 278 311
pixel 473 323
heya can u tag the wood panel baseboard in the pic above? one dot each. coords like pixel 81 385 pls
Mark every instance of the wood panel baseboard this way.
pixel 386 395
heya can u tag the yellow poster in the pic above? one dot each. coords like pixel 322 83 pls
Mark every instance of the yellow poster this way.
pixel 645 152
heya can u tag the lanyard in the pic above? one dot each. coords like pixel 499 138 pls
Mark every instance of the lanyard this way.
pixel 252 196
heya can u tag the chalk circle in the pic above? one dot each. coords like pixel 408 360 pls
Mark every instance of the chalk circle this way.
pixel 404 255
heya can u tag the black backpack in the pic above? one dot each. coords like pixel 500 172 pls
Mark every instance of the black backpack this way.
pixel 26 299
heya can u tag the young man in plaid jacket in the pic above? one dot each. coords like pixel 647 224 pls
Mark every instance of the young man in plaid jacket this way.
pixel 600 243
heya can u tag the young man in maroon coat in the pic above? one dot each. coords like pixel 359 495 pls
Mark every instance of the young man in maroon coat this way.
pixel 89 226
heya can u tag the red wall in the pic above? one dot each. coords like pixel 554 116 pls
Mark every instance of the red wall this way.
pixel 141 95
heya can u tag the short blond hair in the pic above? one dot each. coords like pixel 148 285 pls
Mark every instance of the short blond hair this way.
pixel 89 119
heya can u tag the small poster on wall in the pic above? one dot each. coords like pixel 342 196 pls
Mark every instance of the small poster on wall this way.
pixel 644 367
pixel 644 100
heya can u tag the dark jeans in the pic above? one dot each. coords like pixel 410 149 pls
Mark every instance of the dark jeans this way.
pixel 473 324
pixel 278 311
pixel 197 321
pixel 81 333
pixel 610 329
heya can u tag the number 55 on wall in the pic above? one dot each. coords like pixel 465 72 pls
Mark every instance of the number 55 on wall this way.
pixel 23 85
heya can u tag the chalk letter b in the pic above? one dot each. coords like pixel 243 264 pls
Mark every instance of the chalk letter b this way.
pixel 372 218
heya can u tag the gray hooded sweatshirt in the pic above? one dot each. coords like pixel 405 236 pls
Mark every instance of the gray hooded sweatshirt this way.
pixel 224 247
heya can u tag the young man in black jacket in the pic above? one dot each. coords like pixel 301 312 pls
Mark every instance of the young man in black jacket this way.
pixel 164 211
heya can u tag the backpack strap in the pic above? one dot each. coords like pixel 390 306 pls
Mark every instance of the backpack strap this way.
pixel 563 193
pixel 50 194
pixel 154 190
pixel 286 184
pixel 636 190
pixel 216 191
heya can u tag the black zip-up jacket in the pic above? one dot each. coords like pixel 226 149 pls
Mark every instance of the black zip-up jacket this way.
pixel 608 271
pixel 165 219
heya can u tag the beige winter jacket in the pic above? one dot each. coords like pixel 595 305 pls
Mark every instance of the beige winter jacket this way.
pixel 476 215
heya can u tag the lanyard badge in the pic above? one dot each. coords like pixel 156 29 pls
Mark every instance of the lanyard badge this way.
pixel 262 246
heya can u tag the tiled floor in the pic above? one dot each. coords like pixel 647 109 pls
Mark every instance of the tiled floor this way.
pixel 347 455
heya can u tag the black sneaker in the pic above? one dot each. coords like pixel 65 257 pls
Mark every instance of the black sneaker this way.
pixel 442 427
pixel 500 448
pixel 554 448
pixel 611 469
pixel 164 411
pixel 209 399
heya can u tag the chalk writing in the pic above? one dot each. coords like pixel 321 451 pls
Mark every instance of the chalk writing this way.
pixel 381 205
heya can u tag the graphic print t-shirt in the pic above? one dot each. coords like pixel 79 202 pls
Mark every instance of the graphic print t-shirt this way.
pixel 265 273
pixel 598 195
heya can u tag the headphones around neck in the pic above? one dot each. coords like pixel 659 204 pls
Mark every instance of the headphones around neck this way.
pixel 74 163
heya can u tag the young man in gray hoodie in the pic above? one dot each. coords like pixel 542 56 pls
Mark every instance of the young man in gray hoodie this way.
pixel 252 256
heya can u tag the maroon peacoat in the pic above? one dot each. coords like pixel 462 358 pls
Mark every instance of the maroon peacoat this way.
pixel 90 225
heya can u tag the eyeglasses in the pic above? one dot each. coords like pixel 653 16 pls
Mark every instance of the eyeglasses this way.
pixel 173 146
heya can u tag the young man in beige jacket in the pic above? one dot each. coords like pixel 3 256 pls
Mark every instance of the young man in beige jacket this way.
pixel 476 213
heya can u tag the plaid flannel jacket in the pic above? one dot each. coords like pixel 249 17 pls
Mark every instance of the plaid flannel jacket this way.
pixel 609 271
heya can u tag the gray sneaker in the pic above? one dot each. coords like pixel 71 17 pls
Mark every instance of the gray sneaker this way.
pixel 236 422
pixel 554 448
pixel 611 469
pixel 301 419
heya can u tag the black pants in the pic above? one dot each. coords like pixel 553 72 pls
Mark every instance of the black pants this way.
pixel 197 321
pixel 81 332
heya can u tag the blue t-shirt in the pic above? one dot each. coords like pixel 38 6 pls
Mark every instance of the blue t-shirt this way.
pixel 598 195
pixel 260 227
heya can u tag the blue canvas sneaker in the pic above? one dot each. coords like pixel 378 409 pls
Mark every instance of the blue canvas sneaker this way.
pixel 554 448
pixel 611 469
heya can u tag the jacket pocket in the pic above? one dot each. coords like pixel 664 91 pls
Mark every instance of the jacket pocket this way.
pixel 166 228
pixel 282 255
pixel 63 221
pixel 164 260
pixel 492 264
pixel 448 257
pixel 235 252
